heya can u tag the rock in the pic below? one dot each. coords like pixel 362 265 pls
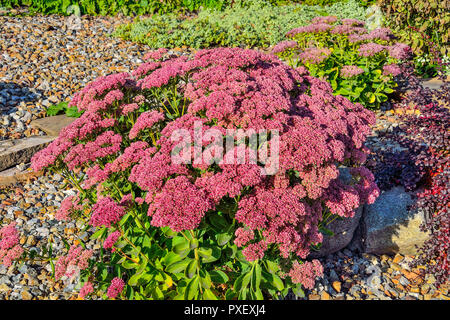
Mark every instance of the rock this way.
pixel 336 286
pixel 343 233
pixel 11 176
pixel 343 229
pixel 389 227
pixel 52 125
pixel 26 295
pixel 324 296
pixel 434 84
pixel 16 151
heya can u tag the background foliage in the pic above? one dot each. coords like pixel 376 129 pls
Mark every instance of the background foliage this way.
pixel 246 24
pixel 424 25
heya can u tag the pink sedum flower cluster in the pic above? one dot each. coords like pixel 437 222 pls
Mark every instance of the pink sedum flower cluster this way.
pixel 306 273
pixel 10 249
pixel 87 289
pixel 76 260
pixel 116 287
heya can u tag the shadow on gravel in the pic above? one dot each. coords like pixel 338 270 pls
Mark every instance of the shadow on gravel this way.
pixel 12 94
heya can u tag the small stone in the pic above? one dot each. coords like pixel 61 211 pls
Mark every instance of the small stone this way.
pixel 336 286
pixel 398 258
pixel 324 295
pixel 26 295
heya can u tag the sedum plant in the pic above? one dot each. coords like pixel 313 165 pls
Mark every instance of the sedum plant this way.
pixel 359 64
pixel 216 227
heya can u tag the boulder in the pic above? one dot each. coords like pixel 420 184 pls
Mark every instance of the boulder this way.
pixel 343 230
pixel 390 226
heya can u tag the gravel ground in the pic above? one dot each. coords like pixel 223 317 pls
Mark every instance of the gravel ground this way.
pixel 44 60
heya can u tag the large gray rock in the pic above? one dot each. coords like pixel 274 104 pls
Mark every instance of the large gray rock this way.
pixel 343 230
pixel 17 151
pixel 389 226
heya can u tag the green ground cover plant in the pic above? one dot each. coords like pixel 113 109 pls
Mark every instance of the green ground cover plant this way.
pixel 246 24
pixel 112 7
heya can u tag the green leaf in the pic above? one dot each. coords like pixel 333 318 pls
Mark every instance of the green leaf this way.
pixel 242 281
pixel 192 289
pixel 179 266
pixel 191 269
pixel 219 222
pixel 278 283
pixel 223 238
pixel 209 295
pixel 171 258
pixel 73 112
pixel 218 276
pixel 326 231
pixel 53 110
pixel 259 295
pixel 209 254
pixel 256 276
pixel 298 291
pixel 127 264
pixel 272 267
pixel 182 248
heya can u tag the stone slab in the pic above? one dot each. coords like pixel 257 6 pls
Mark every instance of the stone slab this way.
pixel 16 151
pixel 11 176
pixel 435 83
pixel 52 125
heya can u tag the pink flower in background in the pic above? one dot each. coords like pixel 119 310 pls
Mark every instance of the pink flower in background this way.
pixel 314 55
pixel 254 251
pixel 116 288
pixel 126 109
pixel 351 71
pixel 145 120
pixel 381 34
pixel 353 22
pixel 284 45
pixel 311 28
pixel 9 236
pixel 243 236
pixel 155 55
pixel 370 49
pixel 400 51
pixel 180 205
pixel 324 19
pixel 392 69
pixel 68 205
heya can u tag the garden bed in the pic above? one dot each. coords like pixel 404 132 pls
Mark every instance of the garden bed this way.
pixel 76 53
